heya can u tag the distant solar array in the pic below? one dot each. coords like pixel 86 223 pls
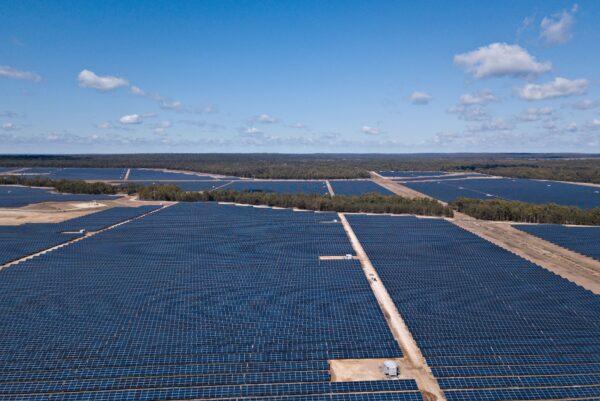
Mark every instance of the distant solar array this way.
pixel 440 178
pixel 525 190
pixel 584 240
pixel 19 241
pixel 196 301
pixel 310 187
pixel 402 174
pixel 190 185
pixel 17 196
pixel 357 187
pixel 150 175
pixel 491 325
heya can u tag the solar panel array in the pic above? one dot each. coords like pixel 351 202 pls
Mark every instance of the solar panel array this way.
pixel 309 187
pixel 17 242
pixel 17 196
pixel 190 186
pixel 357 187
pixel 88 173
pixel 150 175
pixel 440 178
pixel 391 173
pixel 196 301
pixel 583 240
pixel 524 190
pixel 491 325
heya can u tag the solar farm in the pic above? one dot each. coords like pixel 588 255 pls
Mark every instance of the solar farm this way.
pixel 126 299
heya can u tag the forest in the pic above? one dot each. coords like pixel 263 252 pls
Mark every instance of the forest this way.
pixel 562 167
pixel 503 210
pixel 368 203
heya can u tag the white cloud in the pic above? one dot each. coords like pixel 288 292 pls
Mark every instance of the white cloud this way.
pixel 420 98
pixel 8 127
pixel 559 87
pixel 586 104
pixel 104 125
pixel 483 97
pixel 136 90
pixel 131 119
pixel 298 126
pixel 594 124
pixel 266 119
pixel 535 114
pixel 370 130
pixel 498 124
pixel 88 79
pixel 162 126
pixel 469 113
pixel 501 59
pixel 13 73
pixel 252 131
pixel 557 28
pixel 170 105
pixel 572 127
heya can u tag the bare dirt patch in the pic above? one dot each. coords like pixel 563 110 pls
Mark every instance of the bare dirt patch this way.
pixel 398 188
pixel 351 370
pixel 56 212
pixel 580 269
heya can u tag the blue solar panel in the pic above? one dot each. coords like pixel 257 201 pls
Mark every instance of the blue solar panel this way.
pixel 391 173
pixel 532 191
pixel 88 173
pixel 17 196
pixel 584 240
pixel 482 316
pixel 150 175
pixel 357 187
pixel 22 240
pixel 198 300
pixel 309 187
pixel 190 185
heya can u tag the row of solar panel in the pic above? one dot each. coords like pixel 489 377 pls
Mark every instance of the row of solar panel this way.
pixel 524 190
pixel 482 316
pixel 17 196
pixel 19 241
pixel 199 290
pixel 583 240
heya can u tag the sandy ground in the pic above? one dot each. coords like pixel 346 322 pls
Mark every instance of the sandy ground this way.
pixel 329 188
pixel 414 364
pixel 580 269
pixel 398 188
pixel 352 370
pixel 56 212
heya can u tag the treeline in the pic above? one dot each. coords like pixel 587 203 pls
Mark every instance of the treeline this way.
pixel 563 167
pixel 72 186
pixel 369 203
pixel 503 210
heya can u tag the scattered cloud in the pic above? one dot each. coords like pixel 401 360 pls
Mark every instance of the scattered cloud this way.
pixel 104 125
pixel 252 131
pixel 556 29
pixel 497 124
pixel 483 97
pixel 8 113
pixel 131 119
pixel 170 104
pixel 559 87
pixel 266 119
pixel 370 130
pixel 13 73
pixel 161 127
pixel 594 124
pixel 535 114
pixel 136 90
pixel 469 113
pixel 586 104
pixel 501 59
pixel 9 127
pixel 88 79
pixel 298 126
pixel 420 98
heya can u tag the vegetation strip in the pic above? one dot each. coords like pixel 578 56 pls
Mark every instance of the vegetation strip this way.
pixel 368 203
pixel 503 210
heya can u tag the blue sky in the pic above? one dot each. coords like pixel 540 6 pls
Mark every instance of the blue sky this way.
pixel 299 76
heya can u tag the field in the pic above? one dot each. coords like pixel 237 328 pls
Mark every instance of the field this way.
pixel 115 298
